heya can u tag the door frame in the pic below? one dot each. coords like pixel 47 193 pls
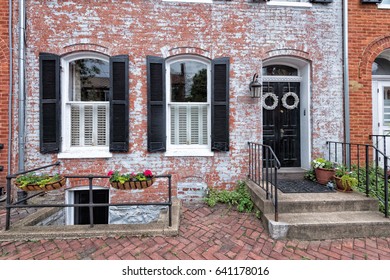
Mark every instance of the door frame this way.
pixel 303 78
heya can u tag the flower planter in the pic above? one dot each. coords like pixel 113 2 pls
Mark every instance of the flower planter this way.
pixel 47 187
pixel 133 185
pixel 346 187
pixel 323 175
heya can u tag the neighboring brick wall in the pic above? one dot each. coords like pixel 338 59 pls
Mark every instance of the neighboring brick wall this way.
pixel 246 32
pixel 368 36
pixel 4 88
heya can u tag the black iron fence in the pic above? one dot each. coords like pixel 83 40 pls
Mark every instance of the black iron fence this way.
pixel 263 171
pixel 370 166
pixel 380 142
pixel 21 203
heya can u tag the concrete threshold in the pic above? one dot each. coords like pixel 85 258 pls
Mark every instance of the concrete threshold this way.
pixel 25 230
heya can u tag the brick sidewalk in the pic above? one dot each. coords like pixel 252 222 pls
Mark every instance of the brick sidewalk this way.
pixel 205 233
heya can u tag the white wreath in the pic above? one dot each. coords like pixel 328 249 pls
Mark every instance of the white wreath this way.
pixel 284 100
pixel 275 99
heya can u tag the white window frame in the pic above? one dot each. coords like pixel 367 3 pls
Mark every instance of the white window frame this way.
pixel 384 5
pixel 67 151
pixel 69 199
pixel 302 4
pixel 194 149
pixel 190 1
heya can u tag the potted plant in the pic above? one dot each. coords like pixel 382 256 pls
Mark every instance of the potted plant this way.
pixel 130 181
pixel 39 182
pixel 324 170
pixel 345 180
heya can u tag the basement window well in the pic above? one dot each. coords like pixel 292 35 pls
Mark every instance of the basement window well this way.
pixel 81 215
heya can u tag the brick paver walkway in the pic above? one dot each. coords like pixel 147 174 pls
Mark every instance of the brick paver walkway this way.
pixel 205 233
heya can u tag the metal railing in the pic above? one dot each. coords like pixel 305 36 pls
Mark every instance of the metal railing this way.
pixel 263 171
pixel 20 203
pixel 380 142
pixel 372 173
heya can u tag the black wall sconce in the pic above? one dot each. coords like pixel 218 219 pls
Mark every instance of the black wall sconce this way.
pixel 255 87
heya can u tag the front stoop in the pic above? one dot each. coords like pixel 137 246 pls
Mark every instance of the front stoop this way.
pixel 317 216
pixel 24 229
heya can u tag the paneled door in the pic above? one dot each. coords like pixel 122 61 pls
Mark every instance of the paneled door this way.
pixel 281 121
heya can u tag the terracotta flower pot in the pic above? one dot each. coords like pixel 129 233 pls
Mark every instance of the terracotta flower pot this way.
pixel 342 187
pixel 323 175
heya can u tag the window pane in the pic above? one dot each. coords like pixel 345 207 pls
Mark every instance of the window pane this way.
pixel 188 82
pixel 89 80
pixel 279 70
pixel 189 124
pixel 381 66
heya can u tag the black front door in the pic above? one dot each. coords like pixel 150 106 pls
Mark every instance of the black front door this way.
pixel 281 125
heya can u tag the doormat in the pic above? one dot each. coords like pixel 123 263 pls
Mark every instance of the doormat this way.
pixel 302 186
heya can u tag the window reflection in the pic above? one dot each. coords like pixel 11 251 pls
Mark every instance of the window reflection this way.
pixel 89 80
pixel 188 82
pixel 279 70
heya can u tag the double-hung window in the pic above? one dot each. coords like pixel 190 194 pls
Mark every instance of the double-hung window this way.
pixel 88 106
pixel 84 104
pixel 188 104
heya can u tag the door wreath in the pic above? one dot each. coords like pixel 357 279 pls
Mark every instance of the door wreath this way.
pixel 296 100
pixel 274 98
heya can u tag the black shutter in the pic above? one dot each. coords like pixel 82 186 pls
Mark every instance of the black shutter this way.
pixel 220 104
pixel 119 103
pixel 49 103
pixel 156 104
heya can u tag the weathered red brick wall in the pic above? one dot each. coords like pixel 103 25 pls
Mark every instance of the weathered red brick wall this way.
pixel 368 37
pixel 246 32
pixel 4 87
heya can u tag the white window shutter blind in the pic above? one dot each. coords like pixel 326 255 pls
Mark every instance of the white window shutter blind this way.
pixel 102 119
pixel 75 125
pixel 88 125
pixel 204 126
pixel 194 124
pixel 182 121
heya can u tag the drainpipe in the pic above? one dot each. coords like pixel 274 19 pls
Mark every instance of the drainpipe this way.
pixel 22 93
pixel 9 153
pixel 347 136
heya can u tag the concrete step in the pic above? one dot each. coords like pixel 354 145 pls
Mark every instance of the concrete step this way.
pixel 328 225
pixel 291 173
pixel 326 202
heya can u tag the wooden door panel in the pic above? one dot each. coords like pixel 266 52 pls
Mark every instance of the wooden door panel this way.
pixel 281 126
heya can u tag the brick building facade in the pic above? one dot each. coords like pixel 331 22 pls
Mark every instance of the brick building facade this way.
pixel 369 45
pixel 4 89
pixel 147 56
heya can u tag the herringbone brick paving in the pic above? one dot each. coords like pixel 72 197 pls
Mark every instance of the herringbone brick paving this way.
pixel 205 234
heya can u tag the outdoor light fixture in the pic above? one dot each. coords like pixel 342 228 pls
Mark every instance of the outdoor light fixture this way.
pixel 255 87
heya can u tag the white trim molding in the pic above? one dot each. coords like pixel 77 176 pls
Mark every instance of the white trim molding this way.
pixel 289 4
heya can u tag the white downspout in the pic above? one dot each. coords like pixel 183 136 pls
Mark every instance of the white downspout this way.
pixel 347 134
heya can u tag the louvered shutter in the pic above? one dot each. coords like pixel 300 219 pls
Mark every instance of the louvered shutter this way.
pixel 119 103
pixel 50 103
pixel 220 104
pixel 102 125
pixel 156 104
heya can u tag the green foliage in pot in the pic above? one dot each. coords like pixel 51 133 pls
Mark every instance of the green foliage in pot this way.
pixel 36 179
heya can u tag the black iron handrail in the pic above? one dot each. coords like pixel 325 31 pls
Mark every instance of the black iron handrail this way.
pixel 263 171
pixel 377 139
pixel 364 160
pixel 90 204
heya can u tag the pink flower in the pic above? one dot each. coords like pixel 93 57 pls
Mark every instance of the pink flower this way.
pixel 110 173
pixel 148 173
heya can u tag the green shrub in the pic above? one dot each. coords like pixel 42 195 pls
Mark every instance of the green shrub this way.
pixel 239 197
